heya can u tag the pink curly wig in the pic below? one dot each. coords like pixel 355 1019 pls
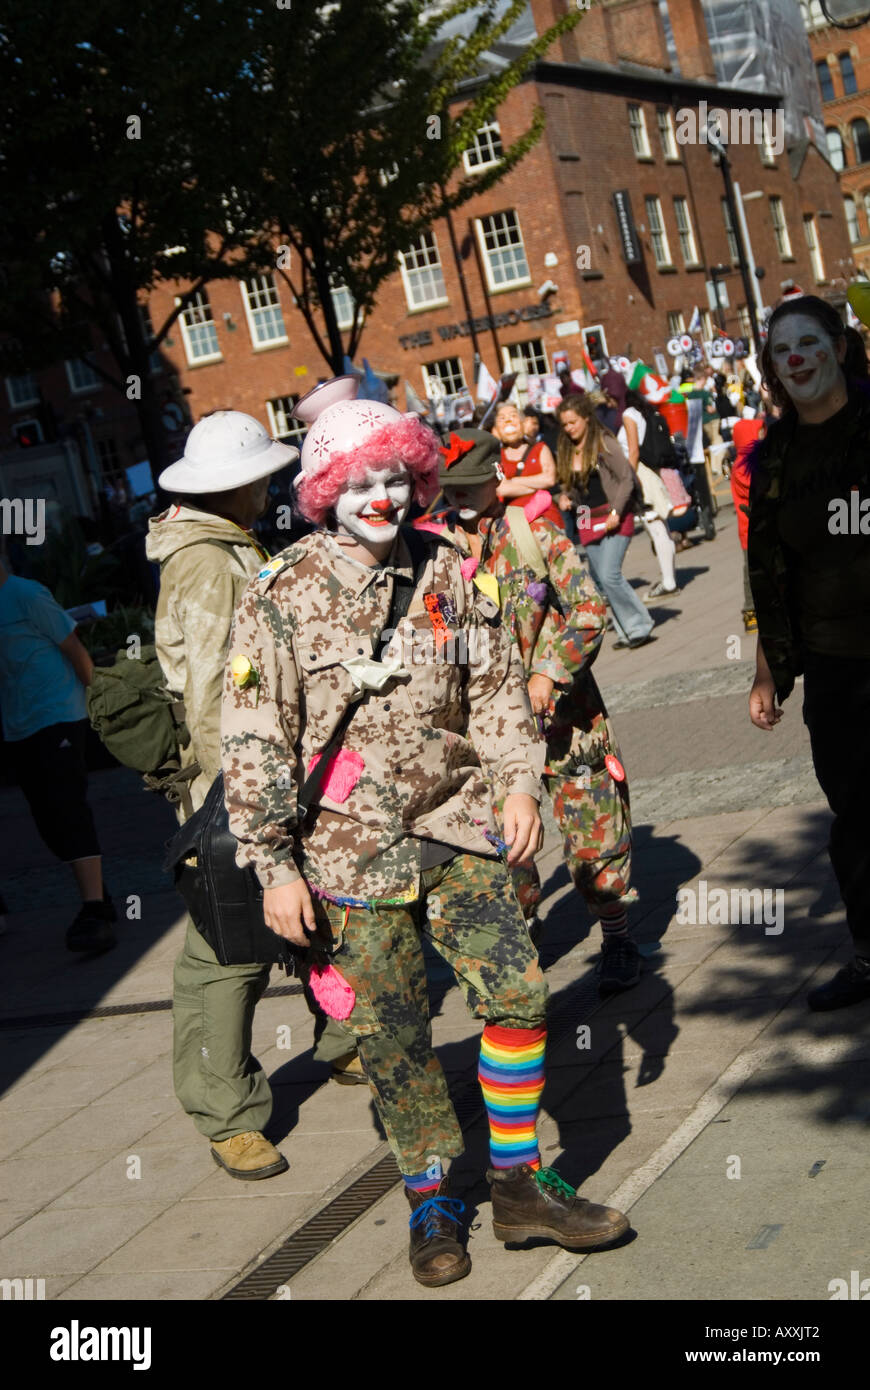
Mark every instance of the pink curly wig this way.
pixel 409 442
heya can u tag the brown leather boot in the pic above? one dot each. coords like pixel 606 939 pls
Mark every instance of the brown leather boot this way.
pixel 437 1253
pixel 527 1203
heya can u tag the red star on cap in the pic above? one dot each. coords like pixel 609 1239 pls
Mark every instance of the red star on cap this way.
pixel 458 447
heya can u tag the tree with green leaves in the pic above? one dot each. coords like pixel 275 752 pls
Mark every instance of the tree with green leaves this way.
pixel 368 114
pixel 114 128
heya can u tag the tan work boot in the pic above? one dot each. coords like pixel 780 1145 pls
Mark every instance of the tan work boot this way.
pixel 249 1156
pixel 348 1070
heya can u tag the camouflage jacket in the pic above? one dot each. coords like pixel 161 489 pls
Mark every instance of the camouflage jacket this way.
pixel 205 562
pixel 421 755
pixel 558 627
pixel 778 622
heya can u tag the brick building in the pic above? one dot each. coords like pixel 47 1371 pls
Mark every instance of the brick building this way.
pixel 842 61
pixel 548 257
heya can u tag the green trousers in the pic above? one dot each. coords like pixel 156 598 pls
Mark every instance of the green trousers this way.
pixel 218 1081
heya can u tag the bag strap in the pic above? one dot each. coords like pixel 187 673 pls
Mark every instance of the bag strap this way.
pixel 403 592
pixel 527 542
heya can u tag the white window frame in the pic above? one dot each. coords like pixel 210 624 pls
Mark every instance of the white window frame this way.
pixel 638 131
pixel 765 148
pixel 707 330
pixel 811 233
pixel 257 286
pixel 599 329
pixel 852 225
pixel 744 323
pixel 840 153
pixel 494 285
pixel 780 227
pixel 655 214
pixel 457 382
pixel 17 402
pixel 676 322
pixel 79 385
pixel 667 135
pixel 199 303
pixel 516 360
pixel 478 146
pixel 686 234
pixel 344 315
pixel 295 431
pixel 428 268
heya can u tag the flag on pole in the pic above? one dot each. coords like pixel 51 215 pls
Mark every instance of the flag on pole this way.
pixel 374 388
pixel 487 386
pixel 695 324
pixel 413 403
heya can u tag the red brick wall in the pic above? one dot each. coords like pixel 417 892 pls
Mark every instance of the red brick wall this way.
pixel 827 44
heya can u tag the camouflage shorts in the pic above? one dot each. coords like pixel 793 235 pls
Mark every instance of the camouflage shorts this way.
pixel 469 913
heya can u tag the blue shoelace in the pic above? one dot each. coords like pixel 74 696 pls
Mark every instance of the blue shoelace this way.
pixel 449 1207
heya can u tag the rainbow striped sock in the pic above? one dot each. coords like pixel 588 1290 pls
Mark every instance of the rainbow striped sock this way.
pixel 511 1075
pixel 429 1181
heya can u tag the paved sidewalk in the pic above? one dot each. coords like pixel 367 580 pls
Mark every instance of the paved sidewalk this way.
pixel 109 1192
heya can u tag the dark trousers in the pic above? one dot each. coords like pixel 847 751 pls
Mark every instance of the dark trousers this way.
pixel 50 769
pixel 837 715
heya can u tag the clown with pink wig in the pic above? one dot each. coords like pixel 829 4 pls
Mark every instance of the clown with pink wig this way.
pixel 379 711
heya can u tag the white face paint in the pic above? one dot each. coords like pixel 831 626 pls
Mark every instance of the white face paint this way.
pixel 804 358
pixel 471 501
pixel 372 509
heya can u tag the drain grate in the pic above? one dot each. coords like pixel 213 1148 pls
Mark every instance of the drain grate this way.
pixel 312 1238
pixel 148 1006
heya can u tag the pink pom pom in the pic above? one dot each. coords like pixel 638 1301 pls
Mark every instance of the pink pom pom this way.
pixel 342 774
pixel 537 504
pixel 468 568
pixel 332 992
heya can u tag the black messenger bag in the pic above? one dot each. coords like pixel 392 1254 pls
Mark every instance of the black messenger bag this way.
pixel 225 902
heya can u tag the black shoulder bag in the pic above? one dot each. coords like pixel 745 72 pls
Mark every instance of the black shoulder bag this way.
pixel 225 902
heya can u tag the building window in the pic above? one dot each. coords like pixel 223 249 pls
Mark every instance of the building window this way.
pixel 81 376
pixel 823 72
pixel 658 235
pixel 836 153
pixel 263 311
pixel 421 273
pixel 528 357
pixel 503 250
pixel 847 72
pixel 686 232
pixel 743 322
pixel 867 207
pixel 345 309
pixel 780 230
pixel 707 325
pixel 198 330
pixel 811 235
pixel 765 149
pixel 486 148
pixel 666 133
pixel 639 137
pixel 813 16
pixel 444 378
pixel 676 323
pixel 107 453
pixel 729 231
pixel 22 390
pixel 861 140
pixel 281 422
pixel 852 219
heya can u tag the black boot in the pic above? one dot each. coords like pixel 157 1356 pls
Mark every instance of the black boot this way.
pixel 851 985
pixel 526 1203
pixel 437 1252
pixel 91 930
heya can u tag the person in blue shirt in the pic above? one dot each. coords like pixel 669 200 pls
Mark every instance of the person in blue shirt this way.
pixel 44 669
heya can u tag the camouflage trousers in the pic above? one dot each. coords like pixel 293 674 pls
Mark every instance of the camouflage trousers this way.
pixel 593 814
pixel 468 912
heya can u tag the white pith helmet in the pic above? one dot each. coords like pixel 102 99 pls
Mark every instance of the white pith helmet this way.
pixel 225 451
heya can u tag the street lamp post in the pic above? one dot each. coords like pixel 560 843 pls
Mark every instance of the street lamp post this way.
pixel 721 153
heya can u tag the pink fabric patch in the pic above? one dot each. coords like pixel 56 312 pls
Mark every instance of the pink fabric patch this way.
pixel 468 568
pixel 428 526
pixel 342 774
pixel 538 503
pixel 332 992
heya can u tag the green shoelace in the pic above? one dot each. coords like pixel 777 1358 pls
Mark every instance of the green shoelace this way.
pixel 546 1177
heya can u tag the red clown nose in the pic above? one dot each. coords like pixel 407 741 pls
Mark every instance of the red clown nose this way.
pixel 795 360
pixel 383 504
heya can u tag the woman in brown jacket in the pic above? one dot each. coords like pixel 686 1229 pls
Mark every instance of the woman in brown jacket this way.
pixel 597 478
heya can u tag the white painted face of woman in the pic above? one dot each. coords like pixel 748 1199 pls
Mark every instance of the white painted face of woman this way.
pixel 371 509
pixel 805 358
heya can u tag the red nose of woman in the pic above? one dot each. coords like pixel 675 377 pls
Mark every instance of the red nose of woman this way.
pixel 795 360
pixel 383 504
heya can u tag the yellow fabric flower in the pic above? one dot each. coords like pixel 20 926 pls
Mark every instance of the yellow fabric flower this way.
pixel 243 672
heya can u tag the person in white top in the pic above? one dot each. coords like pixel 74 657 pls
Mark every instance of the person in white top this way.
pixel 631 435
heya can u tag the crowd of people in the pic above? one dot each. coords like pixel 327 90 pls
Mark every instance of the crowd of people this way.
pixel 386 704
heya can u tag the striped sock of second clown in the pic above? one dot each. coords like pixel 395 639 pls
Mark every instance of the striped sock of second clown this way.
pixel 511 1075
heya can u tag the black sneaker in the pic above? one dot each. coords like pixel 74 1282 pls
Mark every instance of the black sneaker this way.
pixel 620 965
pixel 851 985
pixel 92 931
